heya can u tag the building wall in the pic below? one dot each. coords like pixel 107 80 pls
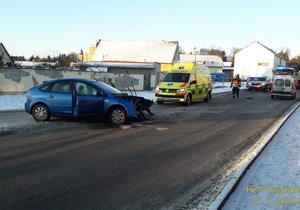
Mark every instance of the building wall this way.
pixel 215 69
pixel 255 60
pixel 13 80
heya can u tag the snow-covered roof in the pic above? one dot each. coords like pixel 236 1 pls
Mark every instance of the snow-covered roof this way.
pixel 136 51
pixel 208 60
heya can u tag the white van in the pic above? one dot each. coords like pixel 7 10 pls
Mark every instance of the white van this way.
pixel 283 86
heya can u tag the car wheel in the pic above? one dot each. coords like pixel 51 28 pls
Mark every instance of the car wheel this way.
pixel 118 115
pixel 160 102
pixel 208 97
pixel 272 96
pixel 188 100
pixel 41 112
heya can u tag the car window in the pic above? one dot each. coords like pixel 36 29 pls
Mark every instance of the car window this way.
pixel 106 88
pixel 83 89
pixel 250 78
pixel 193 77
pixel 45 88
pixel 259 79
pixel 279 82
pixel 287 83
pixel 62 87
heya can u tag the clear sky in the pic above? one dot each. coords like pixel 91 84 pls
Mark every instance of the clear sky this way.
pixel 50 27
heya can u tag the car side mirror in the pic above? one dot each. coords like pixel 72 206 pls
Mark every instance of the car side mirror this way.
pixel 193 82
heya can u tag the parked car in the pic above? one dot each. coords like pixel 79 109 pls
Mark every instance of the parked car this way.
pixel 284 86
pixel 259 83
pixel 79 98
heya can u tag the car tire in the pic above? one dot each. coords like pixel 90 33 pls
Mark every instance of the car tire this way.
pixel 40 112
pixel 160 102
pixel 188 100
pixel 118 115
pixel 272 97
pixel 208 97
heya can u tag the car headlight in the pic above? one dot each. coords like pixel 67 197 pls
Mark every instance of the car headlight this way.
pixel 157 89
pixel 263 83
pixel 181 90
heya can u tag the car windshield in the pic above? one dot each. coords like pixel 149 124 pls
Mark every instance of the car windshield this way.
pixel 250 78
pixel 107 88
pixel 177 77
pixel 259 79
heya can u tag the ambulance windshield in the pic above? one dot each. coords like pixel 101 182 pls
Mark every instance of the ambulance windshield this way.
pixel 177 77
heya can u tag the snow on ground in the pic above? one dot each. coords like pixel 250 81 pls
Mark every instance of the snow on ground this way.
pixel 272 182
pixel 12 102
pixel 16 102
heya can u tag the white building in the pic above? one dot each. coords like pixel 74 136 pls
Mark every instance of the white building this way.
pixel 256 60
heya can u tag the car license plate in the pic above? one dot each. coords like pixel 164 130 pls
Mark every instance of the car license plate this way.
pixel 167 99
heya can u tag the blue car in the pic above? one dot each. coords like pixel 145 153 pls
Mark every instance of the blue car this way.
pixel 79 98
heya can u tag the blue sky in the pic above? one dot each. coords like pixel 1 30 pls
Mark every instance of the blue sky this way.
pixel 37 27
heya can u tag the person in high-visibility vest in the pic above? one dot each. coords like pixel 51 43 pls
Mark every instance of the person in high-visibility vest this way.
pixel 236 84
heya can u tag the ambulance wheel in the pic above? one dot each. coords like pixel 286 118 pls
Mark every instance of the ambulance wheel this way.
pixel 160 102
pixel 188 100
pixel 208 97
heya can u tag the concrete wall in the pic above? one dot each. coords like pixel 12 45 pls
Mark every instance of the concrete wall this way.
pixel 13 80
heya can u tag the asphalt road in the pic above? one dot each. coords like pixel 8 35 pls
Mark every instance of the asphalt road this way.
pixel 175 161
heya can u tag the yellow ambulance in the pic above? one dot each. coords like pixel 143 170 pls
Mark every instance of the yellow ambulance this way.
pixel 184 83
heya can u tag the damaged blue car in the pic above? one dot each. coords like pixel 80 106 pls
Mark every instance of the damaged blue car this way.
pixel 80 98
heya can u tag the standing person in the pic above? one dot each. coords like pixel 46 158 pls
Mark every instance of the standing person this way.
pixel 236 84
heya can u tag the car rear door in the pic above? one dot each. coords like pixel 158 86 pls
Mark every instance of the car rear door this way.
pixel 60 98
pixel 288 85
pixel 89 101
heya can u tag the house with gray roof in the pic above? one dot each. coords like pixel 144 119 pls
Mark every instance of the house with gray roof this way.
pixel 164 52
pixel 140 61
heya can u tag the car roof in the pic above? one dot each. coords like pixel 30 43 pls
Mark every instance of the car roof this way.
pixel 74 79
